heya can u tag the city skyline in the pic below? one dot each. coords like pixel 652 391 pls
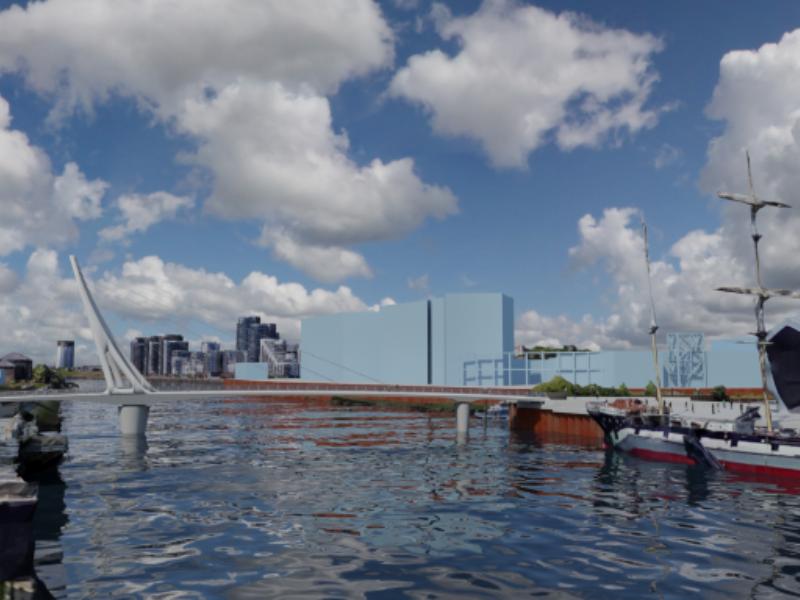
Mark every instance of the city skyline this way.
pixel 414 149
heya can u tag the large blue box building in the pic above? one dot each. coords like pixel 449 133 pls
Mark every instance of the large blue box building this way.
pixel 442 341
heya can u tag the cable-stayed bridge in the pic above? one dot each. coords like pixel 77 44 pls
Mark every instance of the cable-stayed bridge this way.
pixel 128 389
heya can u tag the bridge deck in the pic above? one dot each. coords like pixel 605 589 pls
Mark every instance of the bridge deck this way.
pixel 453 394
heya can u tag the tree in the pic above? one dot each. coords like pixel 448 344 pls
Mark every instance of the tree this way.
pixel 720 394
pixel 44 375
pixel 650 389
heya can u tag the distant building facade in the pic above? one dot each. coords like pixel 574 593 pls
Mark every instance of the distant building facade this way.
pixel 22 365
pixel 65 354
pixel 282 358
pixel 249 333
pixel 171 343
pixel 438 341
pixel 213 358
pixel 139 354
pixel 229 360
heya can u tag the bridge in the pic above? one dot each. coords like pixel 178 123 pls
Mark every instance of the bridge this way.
pixel 128 389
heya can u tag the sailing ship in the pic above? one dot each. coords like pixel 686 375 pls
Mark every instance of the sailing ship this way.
pixel 752 442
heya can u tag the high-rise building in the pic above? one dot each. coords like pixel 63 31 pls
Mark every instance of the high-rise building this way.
pixel 153 360
pixel 65 355
pixel 213 358
pixel 169 344
pixel 282 357
pixel 256 333
pixel 242 328
pixel 249 333
pixel 139 353
pixel 229 360
pixel 178 360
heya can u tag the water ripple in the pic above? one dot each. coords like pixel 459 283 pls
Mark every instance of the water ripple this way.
pixel 281 499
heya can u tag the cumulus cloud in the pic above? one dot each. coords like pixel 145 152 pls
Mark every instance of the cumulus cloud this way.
pixel 38 308
pixel 140 212
pixel 249 86
pixel 666 155
pixel 522 73
pixel 323 263
pixel 684 286
pixel 42 305
pixel 8 279
pixel 150 289
pixel 37 206
pixel 162 52
pixel 276 158
pixel 758 99
pixel 419 284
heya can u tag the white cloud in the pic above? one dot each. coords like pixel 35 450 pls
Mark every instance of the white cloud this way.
pixel 419 284
pixel 684 286
pixel 78 197
pixel 151 289
pixel 523 73
pixel 39 309
pixel 758 98
pixel 323 263
pixel 140 212
pixel 38 207
pixel 276 158
pixel 43 306
pixel 666 155
pixel 8 279
pixel 248 84
pixel 161 52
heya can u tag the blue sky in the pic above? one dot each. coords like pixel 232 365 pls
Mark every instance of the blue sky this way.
pixel 160 113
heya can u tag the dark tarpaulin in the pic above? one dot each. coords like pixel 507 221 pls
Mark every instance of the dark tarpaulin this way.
pixel 783 352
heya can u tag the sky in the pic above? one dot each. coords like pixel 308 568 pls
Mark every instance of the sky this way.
pixel 207 159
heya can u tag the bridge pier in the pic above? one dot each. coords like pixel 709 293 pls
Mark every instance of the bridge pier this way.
pixel 133 419
pixel 462 419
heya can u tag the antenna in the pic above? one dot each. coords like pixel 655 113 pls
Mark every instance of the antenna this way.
pixel 761 293
pixel 653 322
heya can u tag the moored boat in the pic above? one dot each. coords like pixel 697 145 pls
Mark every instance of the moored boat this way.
pixel 764 438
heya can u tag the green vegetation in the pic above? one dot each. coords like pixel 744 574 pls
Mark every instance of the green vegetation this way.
pixel 539 352
pixel 426 407
pixel 720 394
pixel 558 386
pixel 81 373
pixel 54 379
pixel 650 389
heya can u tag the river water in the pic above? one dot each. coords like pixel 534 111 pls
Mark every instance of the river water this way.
pixel 280 499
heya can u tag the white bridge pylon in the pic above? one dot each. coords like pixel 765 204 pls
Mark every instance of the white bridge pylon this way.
pixel 120 374
pixel 127 388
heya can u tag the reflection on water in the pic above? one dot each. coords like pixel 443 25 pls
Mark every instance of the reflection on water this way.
pixel 243 499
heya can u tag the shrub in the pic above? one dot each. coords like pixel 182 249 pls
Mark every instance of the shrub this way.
pixel 720 394
pixel 557 385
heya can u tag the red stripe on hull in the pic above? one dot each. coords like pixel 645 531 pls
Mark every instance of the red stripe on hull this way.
pixel 661 456
pixel 762 469
pixel 730 466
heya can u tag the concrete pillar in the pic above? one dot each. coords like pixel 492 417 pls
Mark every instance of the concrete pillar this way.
pixel 462 418
pixel 133 419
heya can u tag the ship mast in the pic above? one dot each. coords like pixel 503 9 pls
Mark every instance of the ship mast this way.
pixel 761 293
pixel 653 323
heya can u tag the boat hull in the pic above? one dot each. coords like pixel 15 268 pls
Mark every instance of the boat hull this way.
pixel 753 454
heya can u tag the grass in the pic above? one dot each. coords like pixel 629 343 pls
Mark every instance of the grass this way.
pixel 426 407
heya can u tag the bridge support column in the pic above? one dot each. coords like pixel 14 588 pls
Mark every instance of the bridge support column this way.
pixel 133 419
pixel 462 419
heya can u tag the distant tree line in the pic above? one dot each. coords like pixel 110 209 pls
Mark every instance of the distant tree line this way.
pixel 544 352
pixel 560 386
